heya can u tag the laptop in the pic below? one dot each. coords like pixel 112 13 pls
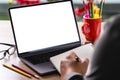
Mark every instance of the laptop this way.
pixel 42 31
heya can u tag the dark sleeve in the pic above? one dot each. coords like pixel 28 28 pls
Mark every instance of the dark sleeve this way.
pixel 74 76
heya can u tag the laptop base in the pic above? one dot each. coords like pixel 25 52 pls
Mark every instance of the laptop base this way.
pixel 41 68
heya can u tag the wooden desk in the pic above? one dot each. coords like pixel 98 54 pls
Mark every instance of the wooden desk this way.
pixel 6 36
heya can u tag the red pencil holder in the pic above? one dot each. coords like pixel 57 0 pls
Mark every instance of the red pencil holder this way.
pixel 91 28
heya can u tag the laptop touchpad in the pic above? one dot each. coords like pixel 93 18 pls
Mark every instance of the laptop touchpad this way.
pixel 45 67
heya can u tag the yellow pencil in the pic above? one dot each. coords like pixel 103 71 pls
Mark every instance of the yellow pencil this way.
pixel 18 71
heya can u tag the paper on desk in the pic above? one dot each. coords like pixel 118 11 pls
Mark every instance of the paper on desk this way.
pixel 82 52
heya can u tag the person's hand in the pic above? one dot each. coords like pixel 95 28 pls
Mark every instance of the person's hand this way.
pixel 71 65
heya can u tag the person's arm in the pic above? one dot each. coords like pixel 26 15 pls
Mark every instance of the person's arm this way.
pixel 105 61
pixel 72 69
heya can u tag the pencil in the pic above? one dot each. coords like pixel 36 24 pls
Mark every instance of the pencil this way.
pixel 33 75
pixel 101 7
pixel 18 71
pixel 91 10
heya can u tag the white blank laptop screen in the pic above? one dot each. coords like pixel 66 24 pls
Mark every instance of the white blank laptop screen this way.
pixel 44 26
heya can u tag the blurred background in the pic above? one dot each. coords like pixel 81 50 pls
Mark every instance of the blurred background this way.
pixel 111 7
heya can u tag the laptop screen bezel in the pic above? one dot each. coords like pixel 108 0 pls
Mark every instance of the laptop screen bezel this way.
pixel 49 49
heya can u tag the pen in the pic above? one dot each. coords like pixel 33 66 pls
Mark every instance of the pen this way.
pixel 18 71
pixel 36 76
pixel 77 59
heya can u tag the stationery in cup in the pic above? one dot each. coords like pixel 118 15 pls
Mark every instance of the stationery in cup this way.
pixel 91 28
pixel 92 20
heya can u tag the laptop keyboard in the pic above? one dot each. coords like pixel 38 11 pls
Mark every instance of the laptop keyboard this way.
pixel 44 57
pixel 38 59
